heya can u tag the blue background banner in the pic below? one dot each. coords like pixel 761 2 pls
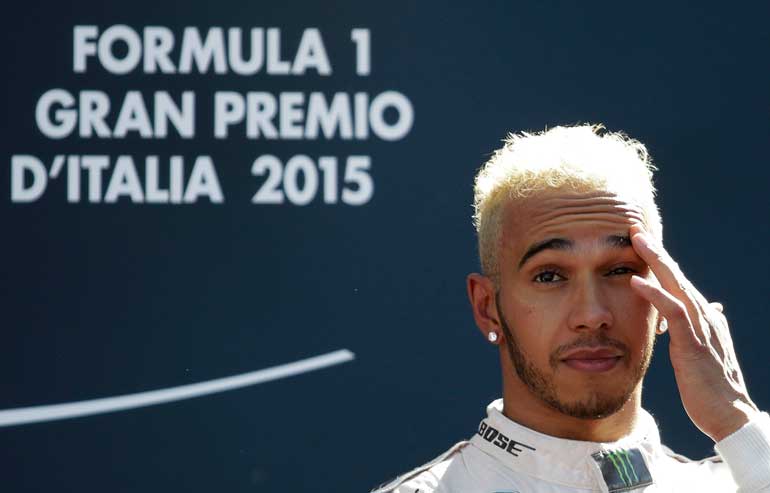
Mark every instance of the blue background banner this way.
pixel 178 211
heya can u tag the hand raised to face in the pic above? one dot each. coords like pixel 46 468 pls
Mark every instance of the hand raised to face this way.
pixel 705 365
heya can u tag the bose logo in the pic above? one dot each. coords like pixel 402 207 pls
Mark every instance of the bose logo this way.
pixel 494 437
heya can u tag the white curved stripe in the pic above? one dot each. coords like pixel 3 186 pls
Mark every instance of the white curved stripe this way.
pixel 36 414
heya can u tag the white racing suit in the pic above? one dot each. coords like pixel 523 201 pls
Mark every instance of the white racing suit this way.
pixel 505 457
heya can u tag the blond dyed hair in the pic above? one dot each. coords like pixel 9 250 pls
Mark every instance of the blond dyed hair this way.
pixel 581 158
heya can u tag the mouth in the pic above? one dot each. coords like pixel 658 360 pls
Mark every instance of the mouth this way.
pixel 594 360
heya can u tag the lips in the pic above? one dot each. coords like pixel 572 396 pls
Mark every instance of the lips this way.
pixel 593 360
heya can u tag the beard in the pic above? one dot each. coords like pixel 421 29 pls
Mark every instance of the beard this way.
pixel 596 404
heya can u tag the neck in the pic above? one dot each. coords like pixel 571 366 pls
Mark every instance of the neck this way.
pixel 527 409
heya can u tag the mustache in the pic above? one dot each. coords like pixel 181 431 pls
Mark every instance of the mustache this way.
pixel 587 342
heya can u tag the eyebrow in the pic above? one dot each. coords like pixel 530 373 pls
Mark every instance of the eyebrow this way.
pixel 612 241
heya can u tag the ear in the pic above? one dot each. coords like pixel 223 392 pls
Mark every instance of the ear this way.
pixel 481 293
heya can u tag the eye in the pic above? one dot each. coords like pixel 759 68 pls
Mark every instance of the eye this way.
pixel 620 271
pixel 548 276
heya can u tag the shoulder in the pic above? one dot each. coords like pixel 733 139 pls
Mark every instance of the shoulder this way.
pixel 681 459
pixel 427 478
pixel 710 473
pixel 743 463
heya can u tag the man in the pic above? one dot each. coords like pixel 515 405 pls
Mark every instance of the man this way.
pixel 576 285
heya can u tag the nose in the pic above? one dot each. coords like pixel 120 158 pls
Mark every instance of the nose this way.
pixel 589 309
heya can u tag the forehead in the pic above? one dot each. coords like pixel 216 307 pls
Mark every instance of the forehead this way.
pixel 577 216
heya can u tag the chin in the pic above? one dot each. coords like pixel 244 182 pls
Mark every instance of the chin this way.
pixel 595 405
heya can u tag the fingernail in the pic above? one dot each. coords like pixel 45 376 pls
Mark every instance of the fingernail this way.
pixel 639 226
pixel 642 239
pixel 638 282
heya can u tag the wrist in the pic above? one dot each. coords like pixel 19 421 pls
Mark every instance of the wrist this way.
pixel 747 453
pixel 741 413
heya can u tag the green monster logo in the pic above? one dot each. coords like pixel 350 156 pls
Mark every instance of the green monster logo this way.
pixel 622 462
pixel 623 470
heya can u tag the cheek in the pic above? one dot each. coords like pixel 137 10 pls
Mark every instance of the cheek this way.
pixel 541 312
pixel 534 325
pixel 523 318
pixel 634 314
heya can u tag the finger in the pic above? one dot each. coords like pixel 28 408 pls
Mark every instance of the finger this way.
pixel 660 262
pixel 671 278
pixel 671 308
pixel 665 268
pixel 714 314
pixel 720 331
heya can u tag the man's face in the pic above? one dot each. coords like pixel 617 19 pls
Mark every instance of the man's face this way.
pixel 577 335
